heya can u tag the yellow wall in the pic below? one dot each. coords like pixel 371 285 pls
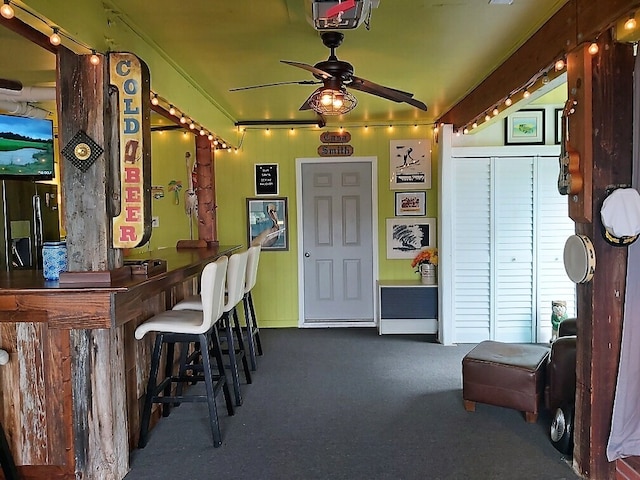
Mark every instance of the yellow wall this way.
pixel 276 293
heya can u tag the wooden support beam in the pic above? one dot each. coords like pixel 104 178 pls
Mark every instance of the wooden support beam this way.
pixel 206 190
pixel 576 22
pixel 609 77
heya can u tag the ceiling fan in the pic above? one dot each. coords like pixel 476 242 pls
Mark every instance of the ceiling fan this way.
pixel 333 98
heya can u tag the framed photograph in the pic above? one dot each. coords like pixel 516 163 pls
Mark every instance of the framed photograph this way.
pixel 267 223
pixel 409 164
pixel 266 179
pixel 407 236
pixel 411 204
pixel 558 130
pixel 524 127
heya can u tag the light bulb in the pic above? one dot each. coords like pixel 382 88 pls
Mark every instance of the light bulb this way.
pixel 495 111
pixel 326 99
pixel 202 132
pixel 559 65
pixel 545 78
pixel 229 149
pixel 337 102
pixel 183 119
pixel 154 99
pixel 210 137
pixel 172 110
pixel 487 117
pixel 6 10
pixel 474 125
pixel 508 102
pixel 526 94
pixel 593 48
pixel 94 60
pixel 224 145
pixel 630 24
pixel 465 131
pixel 55 37
pixel 192 126
pixel 216 142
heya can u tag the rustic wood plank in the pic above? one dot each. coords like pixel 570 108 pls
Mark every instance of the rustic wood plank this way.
pixel 206 190
pixel 601 301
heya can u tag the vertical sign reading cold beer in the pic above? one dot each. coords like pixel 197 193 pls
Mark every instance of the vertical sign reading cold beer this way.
pixel 132 226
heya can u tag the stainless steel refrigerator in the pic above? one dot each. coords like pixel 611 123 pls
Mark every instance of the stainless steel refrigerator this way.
pixel 30 217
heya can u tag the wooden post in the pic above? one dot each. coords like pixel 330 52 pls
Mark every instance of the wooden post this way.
pixel 100 435
pixel 207 228
pixel 606 79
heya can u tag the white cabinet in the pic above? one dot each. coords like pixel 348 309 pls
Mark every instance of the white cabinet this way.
pixel 407 307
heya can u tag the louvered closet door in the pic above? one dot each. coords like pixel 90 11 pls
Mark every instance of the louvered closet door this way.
pixel 513 295
pixel 553 227
pixel 472 250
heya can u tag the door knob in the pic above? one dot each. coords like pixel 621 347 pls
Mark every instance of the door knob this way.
pixel 307 254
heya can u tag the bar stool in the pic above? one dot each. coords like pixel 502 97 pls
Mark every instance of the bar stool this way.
pixel 229 323
pixel 253 332
pixel 6 458
pixel 185 327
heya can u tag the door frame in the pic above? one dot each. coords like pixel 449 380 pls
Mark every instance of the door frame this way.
pixel 374 236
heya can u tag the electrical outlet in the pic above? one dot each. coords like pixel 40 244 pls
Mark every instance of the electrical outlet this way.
pixel 155 222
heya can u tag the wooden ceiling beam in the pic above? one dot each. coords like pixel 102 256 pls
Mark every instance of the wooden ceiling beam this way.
pixel 576 22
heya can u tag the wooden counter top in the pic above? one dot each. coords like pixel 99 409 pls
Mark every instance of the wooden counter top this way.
pixel 25 296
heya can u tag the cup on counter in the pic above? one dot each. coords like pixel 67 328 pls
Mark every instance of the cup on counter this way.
pixel 54 259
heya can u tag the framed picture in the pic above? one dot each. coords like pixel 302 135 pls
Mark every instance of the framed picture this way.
pixel 409 164
pixel 267 223
pixel 558 130
pixel 266 179
pixel 524 127
pixel 407 236
pixel 411 204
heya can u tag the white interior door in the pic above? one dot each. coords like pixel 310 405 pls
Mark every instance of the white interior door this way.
pixel 336 216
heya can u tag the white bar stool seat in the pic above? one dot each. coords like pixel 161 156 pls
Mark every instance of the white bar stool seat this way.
pixel 185 327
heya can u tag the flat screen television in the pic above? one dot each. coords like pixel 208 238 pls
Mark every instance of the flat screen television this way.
pixel 26 148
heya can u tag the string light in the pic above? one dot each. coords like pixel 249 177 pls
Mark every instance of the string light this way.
pixel 54 38
pixel 526 93
pixel 495 111
pixel 183 119
pixel 202 132
pixel 154 99
pixel 508 102
pixel 210 137
pixel 487 117
pixel 95 60
pixel 559 65
pixel 631 24
pixel 192 126
pixel 7 10
pixel 593 48
pixel 172 110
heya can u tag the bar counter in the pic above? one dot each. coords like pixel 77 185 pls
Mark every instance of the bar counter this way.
pixel 72 392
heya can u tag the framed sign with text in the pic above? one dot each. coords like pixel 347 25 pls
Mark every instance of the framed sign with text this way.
pixel 266 179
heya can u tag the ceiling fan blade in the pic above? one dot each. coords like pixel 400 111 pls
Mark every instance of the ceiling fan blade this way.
pixel 309 68
pixel 385 92
pixel 10 84
pixel 294 82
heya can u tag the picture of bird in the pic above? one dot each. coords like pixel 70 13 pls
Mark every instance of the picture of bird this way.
pixel 269 235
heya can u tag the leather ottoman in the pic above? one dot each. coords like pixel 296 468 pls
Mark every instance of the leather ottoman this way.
pixel 508 375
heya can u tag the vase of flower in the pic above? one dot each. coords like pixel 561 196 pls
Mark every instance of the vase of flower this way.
pixel 426 262
pixel 428 274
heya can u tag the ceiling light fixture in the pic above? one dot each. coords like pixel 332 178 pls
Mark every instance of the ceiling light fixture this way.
pixel 6 10
pixel 631 24
pixel 95 60
pixel 332 101
pixel 54 38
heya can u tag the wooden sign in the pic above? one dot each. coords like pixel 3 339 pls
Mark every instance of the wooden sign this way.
pixel 266 178
pixel 335 137
pixel 335 150
pixel 130 76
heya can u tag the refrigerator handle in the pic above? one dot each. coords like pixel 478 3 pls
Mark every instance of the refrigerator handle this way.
pixel 37 221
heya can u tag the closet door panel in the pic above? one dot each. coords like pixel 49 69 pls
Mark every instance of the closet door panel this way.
pixel 513 233
pixel 472 250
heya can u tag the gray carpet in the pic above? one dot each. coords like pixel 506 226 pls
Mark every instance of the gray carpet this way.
pixel 349 404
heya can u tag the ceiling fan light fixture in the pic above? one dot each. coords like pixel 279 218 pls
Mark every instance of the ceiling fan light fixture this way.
pixel 329 101
pixel 6 10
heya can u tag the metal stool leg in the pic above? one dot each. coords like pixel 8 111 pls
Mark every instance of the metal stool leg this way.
pixel 151 387
pixel 254 324
pixel 250 337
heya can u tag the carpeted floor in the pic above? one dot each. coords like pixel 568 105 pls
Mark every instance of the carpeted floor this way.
pixel 349 404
